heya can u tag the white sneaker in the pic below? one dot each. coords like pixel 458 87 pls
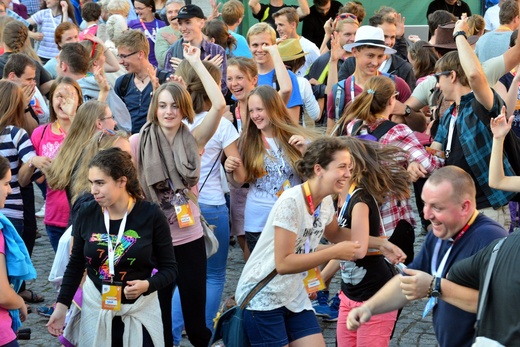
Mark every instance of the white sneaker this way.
pixel 41 212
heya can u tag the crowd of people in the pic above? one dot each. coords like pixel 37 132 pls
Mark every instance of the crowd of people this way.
pixel 321 153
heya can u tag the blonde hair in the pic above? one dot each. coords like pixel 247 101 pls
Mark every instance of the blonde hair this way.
pixel 116 25
pixel 16 39
pixel 98 142
pixel 251 145
pixel 372 101
pixel 261 28
pixel 82 128
pixel 121 7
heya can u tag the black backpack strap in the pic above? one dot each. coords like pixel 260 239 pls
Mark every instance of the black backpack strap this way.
pixel 162 75
pixel 356 127
pixel 382 129
pixel 125 83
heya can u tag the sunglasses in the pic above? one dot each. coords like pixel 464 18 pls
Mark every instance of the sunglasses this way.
pixel 107 132
pixel 439 74
pixel 124 56
pixel 94 44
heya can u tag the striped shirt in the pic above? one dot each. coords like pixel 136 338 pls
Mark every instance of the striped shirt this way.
pixel 47 24
pixel 16 146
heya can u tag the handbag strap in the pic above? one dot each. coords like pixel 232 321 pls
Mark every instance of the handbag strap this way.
pixel 258 288
pixel 484 295
pixel 209 173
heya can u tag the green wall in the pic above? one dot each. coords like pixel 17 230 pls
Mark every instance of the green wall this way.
pixel 413 10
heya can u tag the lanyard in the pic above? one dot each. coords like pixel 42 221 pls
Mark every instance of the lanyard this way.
pixel 60 128
pixel 308 197
pixel 453 119
pixel 437 271
pixel 341 218
pixel 353 84
pixel 239 118
pixel 119 236
pixel 147 33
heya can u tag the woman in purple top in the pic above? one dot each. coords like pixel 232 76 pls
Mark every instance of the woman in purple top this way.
pixel 148 23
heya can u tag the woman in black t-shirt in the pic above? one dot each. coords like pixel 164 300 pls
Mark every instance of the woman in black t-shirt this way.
pixel 135 232
pixel 377 172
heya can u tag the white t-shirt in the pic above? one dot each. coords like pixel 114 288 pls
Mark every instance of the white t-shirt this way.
pixel 491 18
pixel 314 53
pixel 290 213
pixel 309 101
pixel 226 134
pixel 262 193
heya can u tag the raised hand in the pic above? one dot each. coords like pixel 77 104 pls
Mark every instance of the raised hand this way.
pixel 500 125
pixel 191 53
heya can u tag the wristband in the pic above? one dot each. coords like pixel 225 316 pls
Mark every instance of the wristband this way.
pixel 458 33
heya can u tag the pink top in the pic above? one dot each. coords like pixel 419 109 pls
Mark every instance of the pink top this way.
pixel 6 332
pixel 47 144
pixel 180 236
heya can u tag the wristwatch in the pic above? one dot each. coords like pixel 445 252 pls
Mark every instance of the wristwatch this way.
pixel 436 290
pixel 407 110
pixel 457 33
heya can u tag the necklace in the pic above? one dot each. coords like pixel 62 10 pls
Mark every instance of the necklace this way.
pixel 141 80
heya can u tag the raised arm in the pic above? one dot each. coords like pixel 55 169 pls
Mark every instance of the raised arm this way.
pixel 209 125
pixel 254 5
pixel 282 76
pixel 471 66
pixel 510 96
pixel 335 54
pixel 303 9
pixel 500 126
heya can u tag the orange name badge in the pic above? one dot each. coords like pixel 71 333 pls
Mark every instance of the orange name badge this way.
pixel 435 152
pixel 286 185
pixel 111 295
pixel 183 211
pixel 313 281
pixel 184 215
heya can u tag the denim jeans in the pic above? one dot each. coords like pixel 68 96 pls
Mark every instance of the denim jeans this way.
pixel 216 270
pixel 54 233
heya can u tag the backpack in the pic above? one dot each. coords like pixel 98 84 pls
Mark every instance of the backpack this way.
pixel 161 75
pixel 338 90
pixel 375 135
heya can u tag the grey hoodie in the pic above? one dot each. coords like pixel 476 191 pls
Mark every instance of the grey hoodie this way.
pixel 121 115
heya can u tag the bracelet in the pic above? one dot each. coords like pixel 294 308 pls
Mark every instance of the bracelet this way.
pixel 229 172
pixel 430 290
pixel 458 33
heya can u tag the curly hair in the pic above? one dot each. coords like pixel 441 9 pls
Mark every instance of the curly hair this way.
pixel 321 152
pixel 117 163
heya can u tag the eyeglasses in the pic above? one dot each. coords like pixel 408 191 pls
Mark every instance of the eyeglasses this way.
pixel 105 118
pixel 346 16
pixel 106 132
pixel 396 95
pixel 124 56
pixel 439 74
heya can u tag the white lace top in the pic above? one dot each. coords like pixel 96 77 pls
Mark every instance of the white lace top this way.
pixel 289 212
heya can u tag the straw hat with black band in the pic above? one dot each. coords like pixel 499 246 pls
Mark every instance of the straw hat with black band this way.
pixel 291 49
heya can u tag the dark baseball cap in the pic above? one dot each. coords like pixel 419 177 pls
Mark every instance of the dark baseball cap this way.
pixel 190 11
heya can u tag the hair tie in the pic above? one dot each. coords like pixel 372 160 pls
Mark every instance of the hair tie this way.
pixel 371 91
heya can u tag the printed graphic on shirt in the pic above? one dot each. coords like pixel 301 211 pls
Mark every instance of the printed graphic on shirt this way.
pixel 127 241
pixel 309 236
pixel 50 149
pixel 352 274
pixel 278 171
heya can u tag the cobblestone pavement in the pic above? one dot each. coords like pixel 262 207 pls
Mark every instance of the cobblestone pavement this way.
pixel 410 331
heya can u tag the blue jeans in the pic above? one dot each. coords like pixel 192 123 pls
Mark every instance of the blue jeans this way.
pixel 216 270
pixel 54 233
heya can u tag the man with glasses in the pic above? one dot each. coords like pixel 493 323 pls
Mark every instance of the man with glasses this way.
pixel 463 135
pixel 73 61
pixel 135 88
pixel 320 13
